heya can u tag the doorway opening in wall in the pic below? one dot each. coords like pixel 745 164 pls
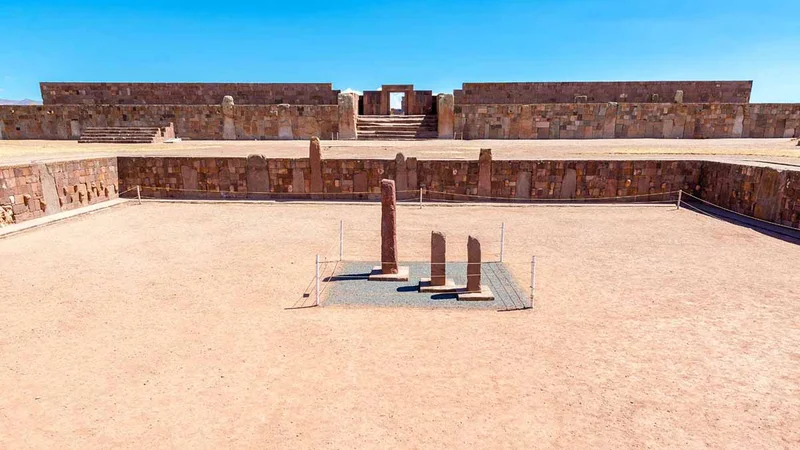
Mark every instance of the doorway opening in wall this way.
pixel 396 100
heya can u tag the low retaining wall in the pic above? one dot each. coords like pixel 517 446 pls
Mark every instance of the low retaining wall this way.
pixel 35 190
pixel 30 191
pixel 627 120
pixel 258 177
pixel 761 192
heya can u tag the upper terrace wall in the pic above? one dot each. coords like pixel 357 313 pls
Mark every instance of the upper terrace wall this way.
pixel 623 91
pixel 191 121
pixel 187 93
pixel 627 120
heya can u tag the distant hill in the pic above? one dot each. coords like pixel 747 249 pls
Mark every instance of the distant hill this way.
pixel 25 101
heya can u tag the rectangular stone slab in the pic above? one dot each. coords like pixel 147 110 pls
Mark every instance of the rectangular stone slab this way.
pixel 448 286
pixel 484 295
pixel 378 275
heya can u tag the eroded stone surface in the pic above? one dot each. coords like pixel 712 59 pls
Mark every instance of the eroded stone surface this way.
pixel 348 115
pixel 485 172
pixel 438 259
pixel 523 186
pixel 284 122
pixel 446 115
pixel 315 159
pixel 401 176
pixel 228 125
pixel 473 264
pixel 388 227
pixel 257 173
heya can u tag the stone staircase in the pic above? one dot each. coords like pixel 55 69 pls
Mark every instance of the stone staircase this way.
pixel 397 127
pixel 126 135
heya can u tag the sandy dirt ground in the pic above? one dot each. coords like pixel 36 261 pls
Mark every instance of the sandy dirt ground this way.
pixel 165 325
pixel 758 150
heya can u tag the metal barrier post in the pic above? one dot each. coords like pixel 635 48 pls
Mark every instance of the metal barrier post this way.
pixel 502 241
pixel 139 194
pixel 317 279
pixel 533 277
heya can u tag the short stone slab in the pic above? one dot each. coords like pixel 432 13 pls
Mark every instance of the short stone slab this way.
pixel 378 275
pixel 449 286
pixel 485 295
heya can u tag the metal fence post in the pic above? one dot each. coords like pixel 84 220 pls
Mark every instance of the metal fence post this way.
pixel 680 191
pixel 502 241
pixel 533 277
pixel 341 239
pixel 139 194
pixel 317 278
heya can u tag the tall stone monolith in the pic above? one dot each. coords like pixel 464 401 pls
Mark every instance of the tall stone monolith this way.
pixel 285 122
pixel 438 259
pixel 315 159
pixel 473 265
pixel 388 227
pixel 401 176
pixel 228 125
pixel 348 115
pixel 445 110
pixel 485 172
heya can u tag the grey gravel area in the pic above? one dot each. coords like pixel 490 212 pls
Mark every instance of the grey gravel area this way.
pixel 349 286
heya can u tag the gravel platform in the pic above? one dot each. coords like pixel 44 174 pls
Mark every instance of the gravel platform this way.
pixel 349 286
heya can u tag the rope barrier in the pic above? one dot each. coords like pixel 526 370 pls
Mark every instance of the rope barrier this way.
pixel 218 191
pixel 553 199
pixel 426 192
pixel 127 190
pixel 737 213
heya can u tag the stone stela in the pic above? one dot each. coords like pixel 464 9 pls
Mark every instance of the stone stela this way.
pixel 438 282
pixel 389 270
pixel 474 291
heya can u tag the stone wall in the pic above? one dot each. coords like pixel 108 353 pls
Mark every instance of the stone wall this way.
pixel 191 121
pixel 35 190
pixel 445 179
pixel 627 120
pixel 763 192
pixel 623 91
pixel 187 93
pixel 30 191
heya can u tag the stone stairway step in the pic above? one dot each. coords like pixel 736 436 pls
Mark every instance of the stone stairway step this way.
pixel 397 127
pixel 119 135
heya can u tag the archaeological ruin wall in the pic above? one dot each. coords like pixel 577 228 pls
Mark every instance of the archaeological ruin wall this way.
pixel 611 91
pixel 627 120
pixel 762 192
pixel 191 121
pixel 187 93
pixel 583 110
pixel 29 191
pixel 34 190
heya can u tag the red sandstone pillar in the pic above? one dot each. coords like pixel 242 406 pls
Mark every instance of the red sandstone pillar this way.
pixel 315 159
pixel 485 172
pixel 438 259
pixel 445 111
pixel 473 265
pixel 388 227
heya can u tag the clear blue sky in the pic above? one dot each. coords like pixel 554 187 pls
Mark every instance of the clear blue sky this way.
pixel 434 45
